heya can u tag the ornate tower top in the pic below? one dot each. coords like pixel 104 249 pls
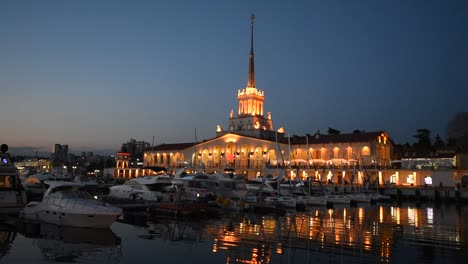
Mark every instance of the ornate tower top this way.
pixel 250 119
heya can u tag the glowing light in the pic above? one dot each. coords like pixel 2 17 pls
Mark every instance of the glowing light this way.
pixel 410 179
pixel 381 214
pixel 428 180
pixel 411 216
pixel 430 215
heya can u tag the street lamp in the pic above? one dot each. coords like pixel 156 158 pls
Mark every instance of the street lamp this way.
pixel 74 168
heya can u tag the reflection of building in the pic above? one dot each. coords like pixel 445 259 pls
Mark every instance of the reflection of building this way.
pixel 372 234
pixel 249 143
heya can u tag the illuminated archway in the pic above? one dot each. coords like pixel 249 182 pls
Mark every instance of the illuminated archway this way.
pixel 244 156
pixel 257 158
pixel 216 157
pixel 230 154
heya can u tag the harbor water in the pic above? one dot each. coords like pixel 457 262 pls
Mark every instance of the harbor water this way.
pixel 405 233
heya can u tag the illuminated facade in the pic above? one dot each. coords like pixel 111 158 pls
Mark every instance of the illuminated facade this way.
pixel 250 145
pixel 125 170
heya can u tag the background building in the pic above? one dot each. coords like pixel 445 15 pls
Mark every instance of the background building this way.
pixel 59 154
pixel 135 148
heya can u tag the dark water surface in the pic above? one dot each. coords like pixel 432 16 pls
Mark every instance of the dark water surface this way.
pixel 371 234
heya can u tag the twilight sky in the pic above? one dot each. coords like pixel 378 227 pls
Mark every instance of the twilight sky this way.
pixel 93 73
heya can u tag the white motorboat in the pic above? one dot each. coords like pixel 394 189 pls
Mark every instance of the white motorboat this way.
pixel 66 204
pixel 260 184
pixel 228 187
pixel 12 193
pixel 147 188
pixel 312 200
pixel 35 187
pixel 194 186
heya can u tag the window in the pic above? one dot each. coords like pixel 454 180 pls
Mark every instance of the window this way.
pixel 6 182
pixel 365 151
pixel 410 179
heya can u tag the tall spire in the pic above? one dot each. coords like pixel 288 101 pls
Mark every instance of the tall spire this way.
pixel 251 82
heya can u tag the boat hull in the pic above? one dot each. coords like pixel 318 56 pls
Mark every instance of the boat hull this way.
pixel 313 201
pixel 76 213
pixel 63 218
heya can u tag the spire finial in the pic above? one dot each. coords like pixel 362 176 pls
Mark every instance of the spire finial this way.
pixel 251 82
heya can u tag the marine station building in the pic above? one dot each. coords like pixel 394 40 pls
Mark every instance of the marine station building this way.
pixel 253 147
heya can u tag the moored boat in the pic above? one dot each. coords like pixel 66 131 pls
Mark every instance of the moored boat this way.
pixel 147 188
pixel 65 203
pixel 12 193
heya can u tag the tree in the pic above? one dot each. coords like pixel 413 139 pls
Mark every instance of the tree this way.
pixel 357 131
pixel 332 131
pixel 438 142
pixel 424 140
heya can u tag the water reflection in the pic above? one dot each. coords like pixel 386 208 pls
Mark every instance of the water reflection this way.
pixel 377 234
pixel 7 236
pixel 72 244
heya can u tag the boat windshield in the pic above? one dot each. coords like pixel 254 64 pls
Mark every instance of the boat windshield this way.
pixel 72 194
pixel 202 184
pixel 159 187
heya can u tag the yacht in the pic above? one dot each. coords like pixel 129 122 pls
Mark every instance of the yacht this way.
pixel 67 204
pixel 230 187
pixel 146 188
pixel 12 193
pixel 194 186
pixel 35 186
pixel 261 184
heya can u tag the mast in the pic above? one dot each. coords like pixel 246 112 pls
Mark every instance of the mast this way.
pixel 308 165
pixel 277 164
pixel 290 166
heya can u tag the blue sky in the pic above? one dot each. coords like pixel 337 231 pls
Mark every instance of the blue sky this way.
pixel 93 74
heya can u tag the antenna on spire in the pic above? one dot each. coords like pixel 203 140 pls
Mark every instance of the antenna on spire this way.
pixel 252 19
pixel 251 81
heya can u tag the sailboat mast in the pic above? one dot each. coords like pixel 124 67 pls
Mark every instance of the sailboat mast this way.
pixel 308 165
pixel 277 164
pixel 342 178
pixel 290 167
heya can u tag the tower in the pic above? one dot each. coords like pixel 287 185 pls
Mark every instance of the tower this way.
pixel 250 119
